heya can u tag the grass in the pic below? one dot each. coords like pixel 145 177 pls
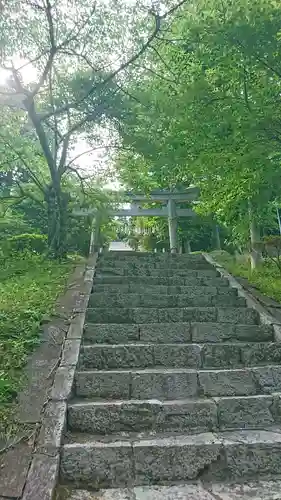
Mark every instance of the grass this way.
pixel 29 286
pixel 266 278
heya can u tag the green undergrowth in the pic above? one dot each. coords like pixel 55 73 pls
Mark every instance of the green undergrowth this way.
pixel 266 278
pixel 29 286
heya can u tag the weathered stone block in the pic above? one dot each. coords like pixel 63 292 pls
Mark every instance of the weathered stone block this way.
pixel 221 355
pixel 256 490
pixel 112 288
pixel 108 418
pixel 227 383
pixel 53 426
pixel 171 315
pixel 109 315
pixel 179 492
pixel 150 289
pixel 238 315
pixel 192 415
pixel 250 452
pixel 182 356
pixel 209 281
pixel 35 394
pixel 97 464
pixel 14 466
pixel 180 272
pixel 115 300
pixel 70 353
pixel 103 384
pixel 156 300
pixel 174 459
pixel 276 370
pixel 111 333
pixel 245 412
pixel 103 357
pixel 227 301
pixel 207 273
pixel 202 300
pixel 145 315
pixel 63 383
pixel 42 477
pixel 76 327
pixel 223 332
pixel 276 407
pixel 253 333
pixel 195 291
pixel 183 265
pixel 107 271
pixel 111 494
pixel 211 332
pixel 149 415
pixel 264 379
pixel 204 314
pixel 102 280
pixel 164 384
pixel 165 333
pixel 261 353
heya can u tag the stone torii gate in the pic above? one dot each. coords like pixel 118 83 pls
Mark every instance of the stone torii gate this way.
pixel 169 209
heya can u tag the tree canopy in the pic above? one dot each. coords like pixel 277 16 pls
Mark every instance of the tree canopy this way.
pixel 207 110
pixel 67 64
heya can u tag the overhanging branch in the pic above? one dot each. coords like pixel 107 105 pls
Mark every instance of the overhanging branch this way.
pixel 20 156
pixel 123 66
pixel 52 53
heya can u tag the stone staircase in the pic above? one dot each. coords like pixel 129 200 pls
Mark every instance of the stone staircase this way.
pixel 177 381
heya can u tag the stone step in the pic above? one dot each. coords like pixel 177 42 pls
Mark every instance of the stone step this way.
pixel 149 256
pixel 165 333
pixel 177 383
pixel 97 463
pixel 154 300
pixel 173 314
pixel 259 489
pixel 224 355
pixel 190 291
pixel 162 280
pixel 158 273
pixel 179 416
pixel 172 265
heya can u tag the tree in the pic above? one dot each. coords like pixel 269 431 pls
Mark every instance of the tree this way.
pixel 208 110
pixel 77 86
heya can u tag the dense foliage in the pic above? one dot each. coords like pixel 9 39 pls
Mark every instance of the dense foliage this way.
pixel 29 285
pixel 207 111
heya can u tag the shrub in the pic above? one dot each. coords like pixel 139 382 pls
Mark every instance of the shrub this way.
pixel 272 248
pixel 35 243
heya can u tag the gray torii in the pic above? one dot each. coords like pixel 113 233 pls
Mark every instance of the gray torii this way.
pixel 169 200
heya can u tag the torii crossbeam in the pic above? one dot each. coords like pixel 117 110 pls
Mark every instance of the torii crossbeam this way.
pixel 169 200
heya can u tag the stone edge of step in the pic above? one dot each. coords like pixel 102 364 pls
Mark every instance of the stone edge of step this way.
pixel 219 448
pixel 213 414
pixel 250 490
pixel 42 476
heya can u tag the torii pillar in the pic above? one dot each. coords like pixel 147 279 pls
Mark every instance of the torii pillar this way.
pixel 173 225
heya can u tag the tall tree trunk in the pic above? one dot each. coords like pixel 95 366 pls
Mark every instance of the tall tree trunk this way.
pixel 57 202
pixel 216 236
pixel 255 254
pixel 255 238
